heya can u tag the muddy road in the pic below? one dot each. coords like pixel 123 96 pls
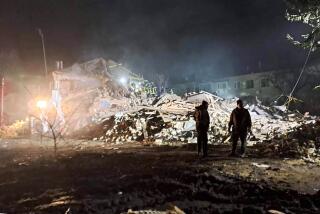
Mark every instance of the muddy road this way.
pixel 113 179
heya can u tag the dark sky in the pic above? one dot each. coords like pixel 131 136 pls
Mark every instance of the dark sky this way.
pixel 195 38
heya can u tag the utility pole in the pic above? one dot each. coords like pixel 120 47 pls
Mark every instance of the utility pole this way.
pixel 44 51
pixel 2 96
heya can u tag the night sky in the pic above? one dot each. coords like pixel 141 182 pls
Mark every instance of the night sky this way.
pixel 180 38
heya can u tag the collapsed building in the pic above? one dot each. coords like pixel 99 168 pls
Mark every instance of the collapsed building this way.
pixel 270 87
pixel 95 89
pixel 169 121
pixel 102 100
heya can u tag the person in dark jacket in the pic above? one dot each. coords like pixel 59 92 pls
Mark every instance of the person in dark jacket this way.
pixel 202 125
pixel 240 122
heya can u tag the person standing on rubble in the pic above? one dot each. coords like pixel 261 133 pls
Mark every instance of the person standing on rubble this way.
pixel 202 125
pixel 240 122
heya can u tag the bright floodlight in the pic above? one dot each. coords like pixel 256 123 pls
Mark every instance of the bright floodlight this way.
pixel 42 104
pixel 123 80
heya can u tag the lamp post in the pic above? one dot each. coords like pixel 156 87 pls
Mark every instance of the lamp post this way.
pixel 44 52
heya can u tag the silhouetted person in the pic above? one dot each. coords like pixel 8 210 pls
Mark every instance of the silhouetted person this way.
pixel 240 121
pixel 202 124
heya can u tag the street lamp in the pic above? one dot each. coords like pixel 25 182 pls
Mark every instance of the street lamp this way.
pixel 41 104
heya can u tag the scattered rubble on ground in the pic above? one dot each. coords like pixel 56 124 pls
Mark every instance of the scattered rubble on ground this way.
pixel 15 130
pixel 92 102
pixel 151 178
pixel 169 120
pixel 173 210
pixel 300 141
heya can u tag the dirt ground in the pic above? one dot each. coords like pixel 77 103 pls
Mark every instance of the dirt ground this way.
pixel 91 177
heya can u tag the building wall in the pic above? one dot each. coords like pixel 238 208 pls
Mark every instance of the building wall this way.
pixel 256 84
pixel 183 88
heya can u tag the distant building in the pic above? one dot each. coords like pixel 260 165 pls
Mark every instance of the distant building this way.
pixel 267 86
pixel 255 84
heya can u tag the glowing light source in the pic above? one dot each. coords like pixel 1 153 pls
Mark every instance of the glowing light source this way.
pixel 138 85
pixel 123 80
pixel 42 104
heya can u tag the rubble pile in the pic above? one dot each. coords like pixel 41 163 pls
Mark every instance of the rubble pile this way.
pixel 170 119
pixel 302 141
pixel 134 126
pixel 15 130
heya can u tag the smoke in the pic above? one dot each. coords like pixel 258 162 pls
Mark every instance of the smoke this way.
pixel 194 40
pixel 182 39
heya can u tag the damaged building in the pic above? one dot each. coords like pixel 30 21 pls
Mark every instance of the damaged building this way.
pixel 268 86
pixel 92 101
pixel 95 89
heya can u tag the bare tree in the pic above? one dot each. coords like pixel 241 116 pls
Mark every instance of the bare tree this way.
pixel 48 125
pixel 306 12
pixel 285 81
pixel 51 124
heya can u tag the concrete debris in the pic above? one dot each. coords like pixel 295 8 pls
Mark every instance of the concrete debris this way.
pixel 275 212
pixel 261 165
pixel 130 211
pixel 95 90
pixel 169 119
pixel 15 130
pixel 173 210
pixel 299 141
pixel 104 101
